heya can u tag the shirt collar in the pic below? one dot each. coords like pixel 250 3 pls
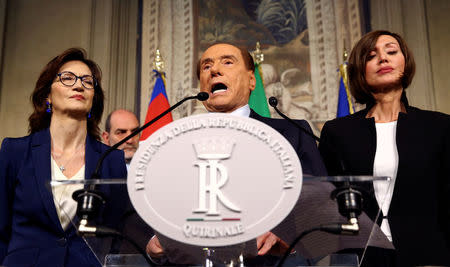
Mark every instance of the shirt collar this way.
pixel 243 111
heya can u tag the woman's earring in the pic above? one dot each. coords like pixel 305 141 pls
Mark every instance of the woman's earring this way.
pixel 49 107
pixel 89 114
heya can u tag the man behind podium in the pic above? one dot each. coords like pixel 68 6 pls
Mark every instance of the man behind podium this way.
pixel 119 124
pixel 226 73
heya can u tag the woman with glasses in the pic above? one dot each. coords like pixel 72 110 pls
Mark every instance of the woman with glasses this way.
pixel 36 220
pixel 391 138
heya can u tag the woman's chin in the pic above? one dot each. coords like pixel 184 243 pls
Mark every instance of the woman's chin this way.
pixel 75 113
pixel 387 87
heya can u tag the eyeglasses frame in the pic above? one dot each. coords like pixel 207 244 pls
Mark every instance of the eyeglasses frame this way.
pixel 76 79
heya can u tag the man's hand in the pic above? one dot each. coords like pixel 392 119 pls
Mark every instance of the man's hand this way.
pixel 154 248
pixel 270 243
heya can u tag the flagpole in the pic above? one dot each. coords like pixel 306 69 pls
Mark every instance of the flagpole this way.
pixel 258 99
pixel 159 100
pixel 343 69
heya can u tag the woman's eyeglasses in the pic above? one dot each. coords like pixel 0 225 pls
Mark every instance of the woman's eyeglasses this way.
pixel 69 79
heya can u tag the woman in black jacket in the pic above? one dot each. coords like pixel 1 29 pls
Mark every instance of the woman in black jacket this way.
pixel 391 138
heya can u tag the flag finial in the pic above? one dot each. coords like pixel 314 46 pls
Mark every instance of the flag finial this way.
pixel 258 55
pixel 345 55
pixel 158 63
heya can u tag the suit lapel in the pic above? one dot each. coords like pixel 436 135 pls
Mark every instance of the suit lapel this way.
pixel 41 145
pixel 293 136
pixel 93 154
pixel 406 147
pixel 357 144
pixel 368 140
pixel 91 157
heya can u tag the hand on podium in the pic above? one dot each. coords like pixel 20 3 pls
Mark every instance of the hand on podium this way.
pixel 269 243
pixel 154 248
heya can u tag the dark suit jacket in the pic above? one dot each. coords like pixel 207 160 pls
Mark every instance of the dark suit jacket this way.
pixel 30 230
pixel 419 210
pixel 303 144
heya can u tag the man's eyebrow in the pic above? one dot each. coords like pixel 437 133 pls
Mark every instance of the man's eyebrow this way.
pixel 206 60
pixel 209 60
pixel 228 57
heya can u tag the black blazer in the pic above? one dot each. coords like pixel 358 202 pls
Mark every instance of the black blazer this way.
pixel 419 210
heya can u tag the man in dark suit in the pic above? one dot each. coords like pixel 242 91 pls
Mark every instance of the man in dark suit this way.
pixel 226 73
pixel 119 124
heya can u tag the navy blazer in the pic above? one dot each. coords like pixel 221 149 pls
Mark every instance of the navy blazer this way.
pixel 303 144
pixel 30 230
pixel 419 210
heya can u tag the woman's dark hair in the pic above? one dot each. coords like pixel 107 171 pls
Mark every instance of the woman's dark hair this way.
pixel 40 119
pixel 357 66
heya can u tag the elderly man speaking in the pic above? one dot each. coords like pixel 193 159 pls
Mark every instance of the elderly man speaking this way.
pixel 226 73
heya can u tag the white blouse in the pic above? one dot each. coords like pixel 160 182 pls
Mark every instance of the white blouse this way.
pixel 385 164
pixel 66 207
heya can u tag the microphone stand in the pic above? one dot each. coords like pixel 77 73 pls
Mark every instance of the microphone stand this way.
pixel 273 101
pixel 202 96
pixel 349 199
pixel 90 200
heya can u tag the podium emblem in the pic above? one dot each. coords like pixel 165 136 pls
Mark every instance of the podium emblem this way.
pixel 212 151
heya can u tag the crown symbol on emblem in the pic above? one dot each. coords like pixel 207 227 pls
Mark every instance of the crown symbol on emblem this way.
pixel 214 148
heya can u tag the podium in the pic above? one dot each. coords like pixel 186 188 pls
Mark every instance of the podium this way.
pixel 136 260
pixel 211 184
pixel 315 207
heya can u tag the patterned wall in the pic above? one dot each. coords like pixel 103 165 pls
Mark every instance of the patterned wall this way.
pixel 172 27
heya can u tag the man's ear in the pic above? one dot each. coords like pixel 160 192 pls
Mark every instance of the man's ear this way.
pixel 252 81
pixel 105 137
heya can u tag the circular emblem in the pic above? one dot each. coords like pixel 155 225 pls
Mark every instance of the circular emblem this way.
pixel 214 179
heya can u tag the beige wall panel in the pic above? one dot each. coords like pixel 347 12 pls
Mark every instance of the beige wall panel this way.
pixel 424 25
pixel 38 30
pixel 421 91
pixel 35 32
pixel 439 39
pixel 2 26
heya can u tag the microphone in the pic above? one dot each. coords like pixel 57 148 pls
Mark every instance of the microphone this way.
pixel 273 102
pixel 90 200
pixel 348 197
pixel 202 96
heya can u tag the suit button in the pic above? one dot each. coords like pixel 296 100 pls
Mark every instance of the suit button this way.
pixel 62 241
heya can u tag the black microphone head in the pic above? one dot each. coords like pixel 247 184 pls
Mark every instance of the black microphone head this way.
pixel 202 96
pixel 273 101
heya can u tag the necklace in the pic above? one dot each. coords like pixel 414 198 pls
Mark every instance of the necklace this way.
pixel 62 167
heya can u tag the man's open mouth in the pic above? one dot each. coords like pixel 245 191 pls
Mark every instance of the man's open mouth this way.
pixel 217 88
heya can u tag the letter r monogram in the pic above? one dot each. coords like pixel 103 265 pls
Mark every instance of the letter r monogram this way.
pixel 218 176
